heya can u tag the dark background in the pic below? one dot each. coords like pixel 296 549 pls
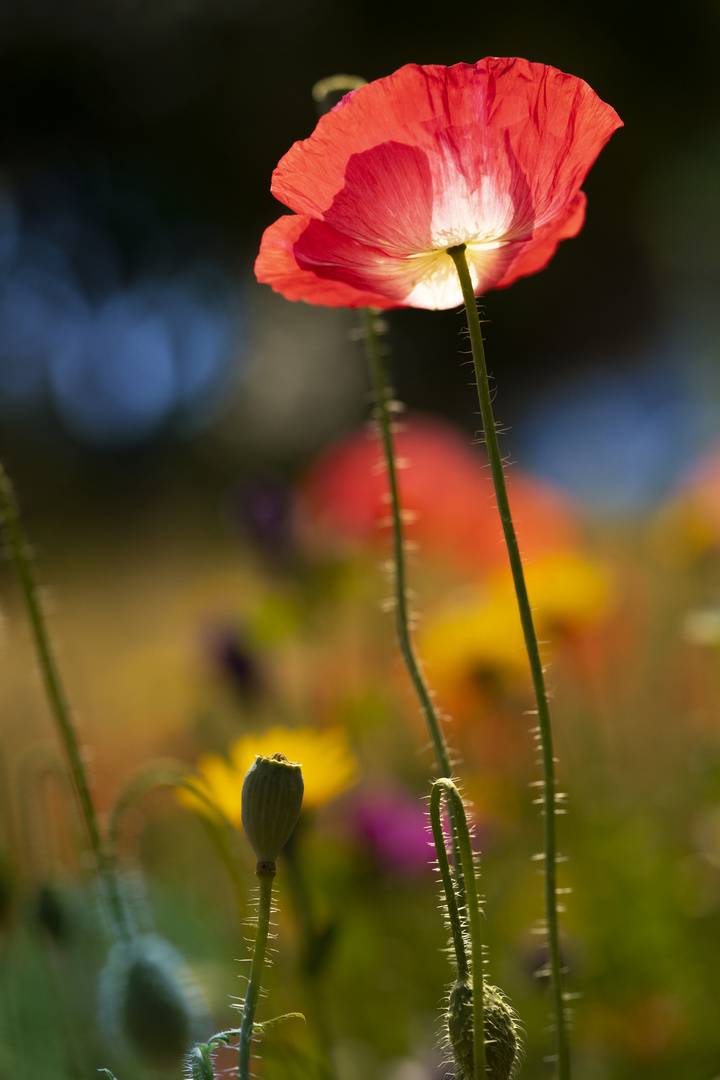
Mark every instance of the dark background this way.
pixel 142 138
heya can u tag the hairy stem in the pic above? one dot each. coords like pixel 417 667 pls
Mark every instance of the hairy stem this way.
pixel 536 668
pixel 454 918
pixel 432 720
pixel 58 703
pixel 265 878
pixel 474 918
pixel 384 404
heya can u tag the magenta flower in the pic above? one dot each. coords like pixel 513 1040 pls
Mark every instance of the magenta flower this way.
pixel 394 828
pixel 490 155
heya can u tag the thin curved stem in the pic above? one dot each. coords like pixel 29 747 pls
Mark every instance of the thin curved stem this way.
pixel 456 925
pixel 536 668
pixel 58 702
pixel 220 830
pixel 474 917
pixel 265 878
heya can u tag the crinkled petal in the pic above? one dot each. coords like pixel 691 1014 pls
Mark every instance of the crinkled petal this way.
pixel 502 140
pixel 491 155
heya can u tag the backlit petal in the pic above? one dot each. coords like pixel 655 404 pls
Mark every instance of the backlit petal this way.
pixel 528 256
pixel 304 259
pixel 491 155
pixel 323 283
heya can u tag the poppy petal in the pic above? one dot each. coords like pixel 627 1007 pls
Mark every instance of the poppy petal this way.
pixel 527 257
pixel 305 259
pixel 491 155
pixel 277 265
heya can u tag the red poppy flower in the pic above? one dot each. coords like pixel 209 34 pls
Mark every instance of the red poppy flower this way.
pixel 490 155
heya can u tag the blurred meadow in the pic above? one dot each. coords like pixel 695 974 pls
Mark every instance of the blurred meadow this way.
pixel 197 479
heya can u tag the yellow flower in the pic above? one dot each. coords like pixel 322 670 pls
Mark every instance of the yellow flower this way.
pixel 475 632
pixel 480 632
pixel 328 768
pixel 568 591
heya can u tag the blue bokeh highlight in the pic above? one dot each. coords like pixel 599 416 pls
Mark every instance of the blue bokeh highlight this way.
pixel 119 357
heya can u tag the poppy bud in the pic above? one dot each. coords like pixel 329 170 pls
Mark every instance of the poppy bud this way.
pixel 502 1045
pixel 149 1003
pixel 271 799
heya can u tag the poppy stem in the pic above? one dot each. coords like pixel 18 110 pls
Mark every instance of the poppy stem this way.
pixel 104 864
pixel 385 407
pixel 550 855
pixel 457 926
pixel 247 1026
pixel 473 915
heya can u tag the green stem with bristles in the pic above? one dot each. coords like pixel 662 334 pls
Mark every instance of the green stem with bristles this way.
pixel 379 377
pixel 473 915
pixel 384 405
pixel 265 878
pixel 536 668
pixel 451 900
pixel 10 519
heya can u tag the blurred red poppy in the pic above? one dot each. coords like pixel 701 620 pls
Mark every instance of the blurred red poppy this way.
pixel 490 155
pixel 447 496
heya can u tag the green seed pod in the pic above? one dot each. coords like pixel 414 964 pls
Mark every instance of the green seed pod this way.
pixel 149 1002
pixel 502 1042
pixel 272 795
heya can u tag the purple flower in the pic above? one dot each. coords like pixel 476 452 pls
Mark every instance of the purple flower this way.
pixel 394 827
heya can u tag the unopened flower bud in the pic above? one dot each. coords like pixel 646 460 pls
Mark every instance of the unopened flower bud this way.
pixel 272 795
pixel 149 1002
pixel 502 1043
